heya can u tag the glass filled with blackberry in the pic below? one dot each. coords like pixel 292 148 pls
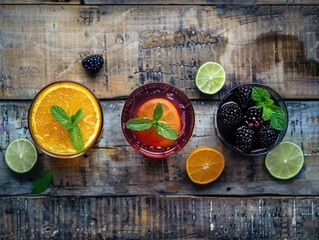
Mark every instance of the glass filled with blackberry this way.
pixel 252 119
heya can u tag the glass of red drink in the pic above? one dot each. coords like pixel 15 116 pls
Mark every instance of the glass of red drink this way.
pixel 178 112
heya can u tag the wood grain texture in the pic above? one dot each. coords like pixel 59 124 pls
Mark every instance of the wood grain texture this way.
pixel 162 217
pixel 113 168
pixel 39 2
pixel 163 2
pixel 273 45
pixel 115 193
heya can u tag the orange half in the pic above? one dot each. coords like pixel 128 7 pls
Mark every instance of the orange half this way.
pixel 170 116
pixel 48 132
pixel 204 165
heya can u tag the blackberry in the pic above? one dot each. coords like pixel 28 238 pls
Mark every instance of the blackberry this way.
pixel 93 63
pixel 243 96
pixel 245 139
pixel 230 113
pixel 253 117
pixel 267 136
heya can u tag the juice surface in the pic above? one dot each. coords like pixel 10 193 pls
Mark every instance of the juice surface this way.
pixel 48 132
pixel 170 116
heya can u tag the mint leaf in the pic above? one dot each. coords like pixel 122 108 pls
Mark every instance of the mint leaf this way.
pixel 275 108
pixel 42 181
pixel 261 96
pixel 266 113
pixel 158 112
pixel 71 124
pixel 77 117
pixel 165 130
pixel 68 125
pixel 271 112
pixel 76 138
pixel 278 119
pixel 268 102
pixel 60 115
pixel 139 124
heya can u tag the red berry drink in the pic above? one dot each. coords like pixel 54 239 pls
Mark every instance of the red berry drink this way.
pixel 176 112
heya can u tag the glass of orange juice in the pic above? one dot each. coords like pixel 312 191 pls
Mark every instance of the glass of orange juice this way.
pixel 65 119
pixel 152 108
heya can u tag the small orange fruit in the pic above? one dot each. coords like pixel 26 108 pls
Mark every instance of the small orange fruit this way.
pixel 170 117
pixel 204 165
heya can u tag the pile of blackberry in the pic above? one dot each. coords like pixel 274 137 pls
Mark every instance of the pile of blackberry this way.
pixel 248 131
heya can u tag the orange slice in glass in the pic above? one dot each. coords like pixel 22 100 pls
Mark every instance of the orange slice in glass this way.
pixel 48 132
pixel 204 165
pixel 170 117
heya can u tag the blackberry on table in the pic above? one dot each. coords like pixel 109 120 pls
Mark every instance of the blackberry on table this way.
pixel 253 117
pixel 230 113
pixel 267 136
pixel 245 139
pixel 93 63
pixel 243 96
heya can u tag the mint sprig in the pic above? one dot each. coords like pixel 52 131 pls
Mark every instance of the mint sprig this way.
pixel 71 124
pixel 163 129
pixel 42 181
pixel 271 112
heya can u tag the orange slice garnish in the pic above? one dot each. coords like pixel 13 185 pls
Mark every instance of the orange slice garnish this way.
pixel 170 117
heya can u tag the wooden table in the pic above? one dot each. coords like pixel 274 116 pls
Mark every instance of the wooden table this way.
pixel 115 193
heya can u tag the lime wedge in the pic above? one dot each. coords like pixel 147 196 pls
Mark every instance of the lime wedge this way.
pixel 21 155
pixel 285 161
pixel 210 77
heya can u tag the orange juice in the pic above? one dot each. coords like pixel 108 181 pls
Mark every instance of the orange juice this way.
pixel 50 135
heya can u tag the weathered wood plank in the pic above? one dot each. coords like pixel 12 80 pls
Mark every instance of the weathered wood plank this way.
pixel 15 2
pixel 162 217
pixel 274 45
pixel 114 168
pixel 164 2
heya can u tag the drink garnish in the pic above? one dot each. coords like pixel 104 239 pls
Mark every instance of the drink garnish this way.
pixel 42 181
pixel 163 129
pixel 271 112
pixel 71 124
pixel 285 161
pixel 21 155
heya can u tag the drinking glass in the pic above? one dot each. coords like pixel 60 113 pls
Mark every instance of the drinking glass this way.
pixel 181 103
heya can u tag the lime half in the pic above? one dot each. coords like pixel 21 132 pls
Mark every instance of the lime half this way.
pixel 285 161
pixel 210 77
pixel 21 155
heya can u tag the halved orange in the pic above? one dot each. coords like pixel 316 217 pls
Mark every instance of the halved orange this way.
pixel 204 165
pixel 170 117
pixel 48 132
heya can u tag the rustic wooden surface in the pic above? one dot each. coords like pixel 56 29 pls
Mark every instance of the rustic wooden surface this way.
pixel 165 217
pixel 162 2
pixel 114 168
pixel 42 44
pixel 115 193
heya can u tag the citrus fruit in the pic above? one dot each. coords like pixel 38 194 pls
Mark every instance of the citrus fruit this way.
pixel 285 161
pixel 210 77
pixel 204 165
pixel 21 155
pixel 52 136
pixel 170 117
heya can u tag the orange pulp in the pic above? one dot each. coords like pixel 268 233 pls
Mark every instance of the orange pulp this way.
pixel 170 117
pixel 48 133
pixel 204 165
